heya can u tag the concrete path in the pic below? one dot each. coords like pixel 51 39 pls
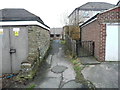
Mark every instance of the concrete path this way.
pixel 89 60
pixel 58 71
pixel 0 83
pixel 104 75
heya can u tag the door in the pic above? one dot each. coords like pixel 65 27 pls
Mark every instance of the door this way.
pixel 112 42
pixel 15 48
pixel 6 59
pixel 19 43
pixel 1 34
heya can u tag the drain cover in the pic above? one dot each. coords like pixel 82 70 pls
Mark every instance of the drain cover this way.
pixel 58 69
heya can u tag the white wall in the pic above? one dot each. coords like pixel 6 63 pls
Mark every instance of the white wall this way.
pixel 1 34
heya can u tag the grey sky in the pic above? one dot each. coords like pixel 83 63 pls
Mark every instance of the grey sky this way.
pixel 52 12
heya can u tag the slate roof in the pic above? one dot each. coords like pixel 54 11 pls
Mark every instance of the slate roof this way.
pixel 94 6
pixel 18 15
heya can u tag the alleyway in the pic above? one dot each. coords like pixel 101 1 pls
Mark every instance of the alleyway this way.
pixel 57 72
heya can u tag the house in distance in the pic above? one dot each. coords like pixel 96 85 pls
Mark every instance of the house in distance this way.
pixel 86 11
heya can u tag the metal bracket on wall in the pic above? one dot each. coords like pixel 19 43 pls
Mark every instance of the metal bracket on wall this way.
pixel 12 51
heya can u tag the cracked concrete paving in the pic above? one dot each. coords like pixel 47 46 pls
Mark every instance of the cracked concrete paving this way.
pixel 57 71
pixel 104 75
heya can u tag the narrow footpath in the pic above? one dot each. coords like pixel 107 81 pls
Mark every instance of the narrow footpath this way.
pixel 57 72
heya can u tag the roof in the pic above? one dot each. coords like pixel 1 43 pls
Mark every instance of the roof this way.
pixel 118 4
pixel 18 15
pixel 94 6
pixel 90 20
pixel 95 17
pixel 56 30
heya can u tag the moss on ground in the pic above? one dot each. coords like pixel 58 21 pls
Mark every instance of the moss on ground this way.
pixel 31 87
pixel 78 67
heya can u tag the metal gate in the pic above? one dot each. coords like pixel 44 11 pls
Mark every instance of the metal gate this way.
pixel 85 48
pixel 14 48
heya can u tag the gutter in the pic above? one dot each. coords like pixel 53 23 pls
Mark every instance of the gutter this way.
pixel 12 23
pixel 90 20
pixel 94 17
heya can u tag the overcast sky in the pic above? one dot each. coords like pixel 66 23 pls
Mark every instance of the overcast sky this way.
pixel 52 12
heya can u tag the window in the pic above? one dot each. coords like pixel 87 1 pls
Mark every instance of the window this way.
pixel 57 35
pixel 86 14
pixel 51 35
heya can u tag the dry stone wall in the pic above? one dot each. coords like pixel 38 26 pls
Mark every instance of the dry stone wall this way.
pixel 39 41
pixel 38 45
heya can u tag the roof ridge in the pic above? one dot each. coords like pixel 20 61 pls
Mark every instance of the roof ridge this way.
pixel 91 6
pixel 13 9
pixel 101 2
pixel 95 2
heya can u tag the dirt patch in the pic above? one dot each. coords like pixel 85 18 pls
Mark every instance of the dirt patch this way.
pixel 6 83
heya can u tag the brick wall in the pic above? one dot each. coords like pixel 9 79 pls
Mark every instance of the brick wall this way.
pixel 91 32
pixel 110 16
pixel 96 31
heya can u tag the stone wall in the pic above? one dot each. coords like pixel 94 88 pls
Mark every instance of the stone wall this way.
pixel 38 45
pixel 38 41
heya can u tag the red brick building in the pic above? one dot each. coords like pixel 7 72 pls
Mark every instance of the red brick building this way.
pixel 101 30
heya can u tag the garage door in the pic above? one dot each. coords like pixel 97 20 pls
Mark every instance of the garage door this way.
pixel 112 42
pixel 14 48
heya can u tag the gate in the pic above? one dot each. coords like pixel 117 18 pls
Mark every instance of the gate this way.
pixel 14 48
pixel 85 48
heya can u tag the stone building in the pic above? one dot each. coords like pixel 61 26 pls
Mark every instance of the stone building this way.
pixel 25 40
pixel 86 11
